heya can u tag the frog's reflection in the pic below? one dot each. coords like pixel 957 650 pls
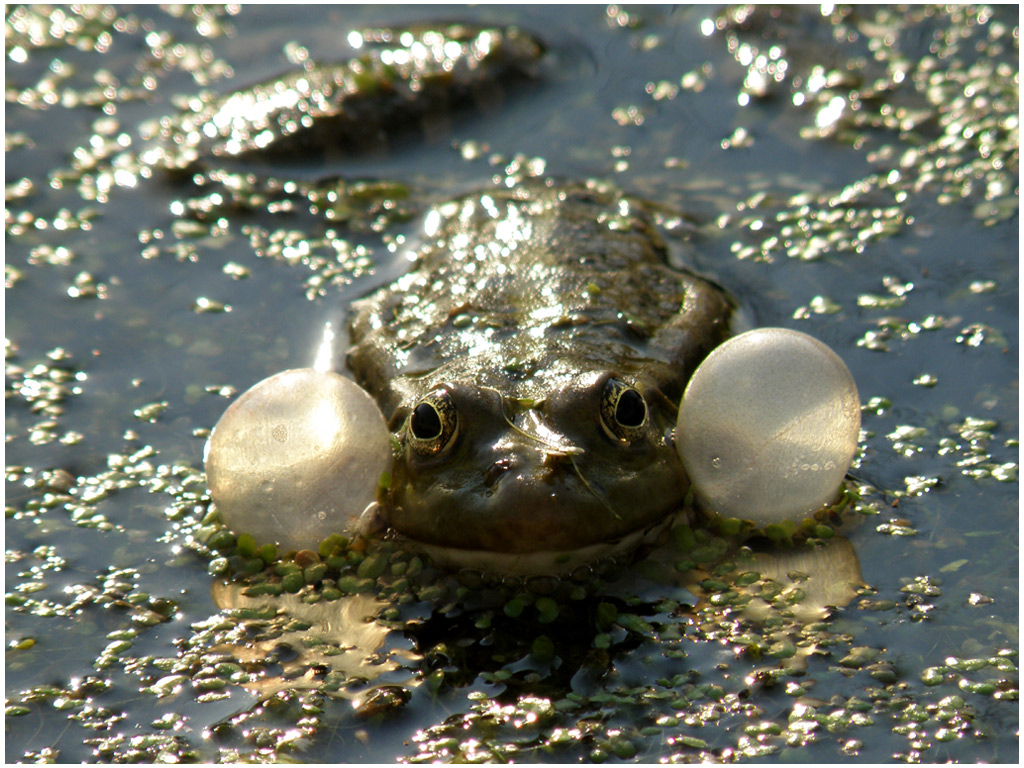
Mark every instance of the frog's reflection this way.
pixel 780 594
pixel 335 646
pixel 343 647
pixel 828 574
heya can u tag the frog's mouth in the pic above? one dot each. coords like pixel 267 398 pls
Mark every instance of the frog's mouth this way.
pixel 535 507
pixel 580 566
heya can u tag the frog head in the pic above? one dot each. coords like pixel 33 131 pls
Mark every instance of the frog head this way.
pixel 499 475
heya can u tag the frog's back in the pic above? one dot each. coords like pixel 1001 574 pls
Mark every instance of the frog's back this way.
pixel 531 284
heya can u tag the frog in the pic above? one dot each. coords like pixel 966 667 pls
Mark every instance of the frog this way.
pixel 531 363
pixel 530 366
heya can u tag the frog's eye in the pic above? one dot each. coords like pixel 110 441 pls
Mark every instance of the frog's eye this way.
pixel 433 423
pixel 623 411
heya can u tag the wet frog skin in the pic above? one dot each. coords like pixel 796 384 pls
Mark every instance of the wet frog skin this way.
pixel 530 367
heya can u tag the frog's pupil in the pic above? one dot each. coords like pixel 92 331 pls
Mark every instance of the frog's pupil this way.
pixel 425 422
pixel 630 410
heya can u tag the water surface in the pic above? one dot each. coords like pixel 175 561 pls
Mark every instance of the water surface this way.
pixel 849 174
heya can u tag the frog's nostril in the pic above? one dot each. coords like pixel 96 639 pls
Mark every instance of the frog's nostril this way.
pixel 497 470
pixel 555 458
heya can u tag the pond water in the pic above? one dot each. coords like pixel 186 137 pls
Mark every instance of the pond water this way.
pixel 851 174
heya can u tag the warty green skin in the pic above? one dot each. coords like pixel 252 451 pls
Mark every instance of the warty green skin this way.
pixel 520 308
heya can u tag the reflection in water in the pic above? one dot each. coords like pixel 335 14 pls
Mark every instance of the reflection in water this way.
pixel 827 574
pixel 335 643
pixel 780 595
pixel 817 580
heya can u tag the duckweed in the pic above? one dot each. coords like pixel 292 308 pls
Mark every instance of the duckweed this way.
pixel 293 581
pixel 547 610
pixel 372 567
pixel 713 634
pixel 543 648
